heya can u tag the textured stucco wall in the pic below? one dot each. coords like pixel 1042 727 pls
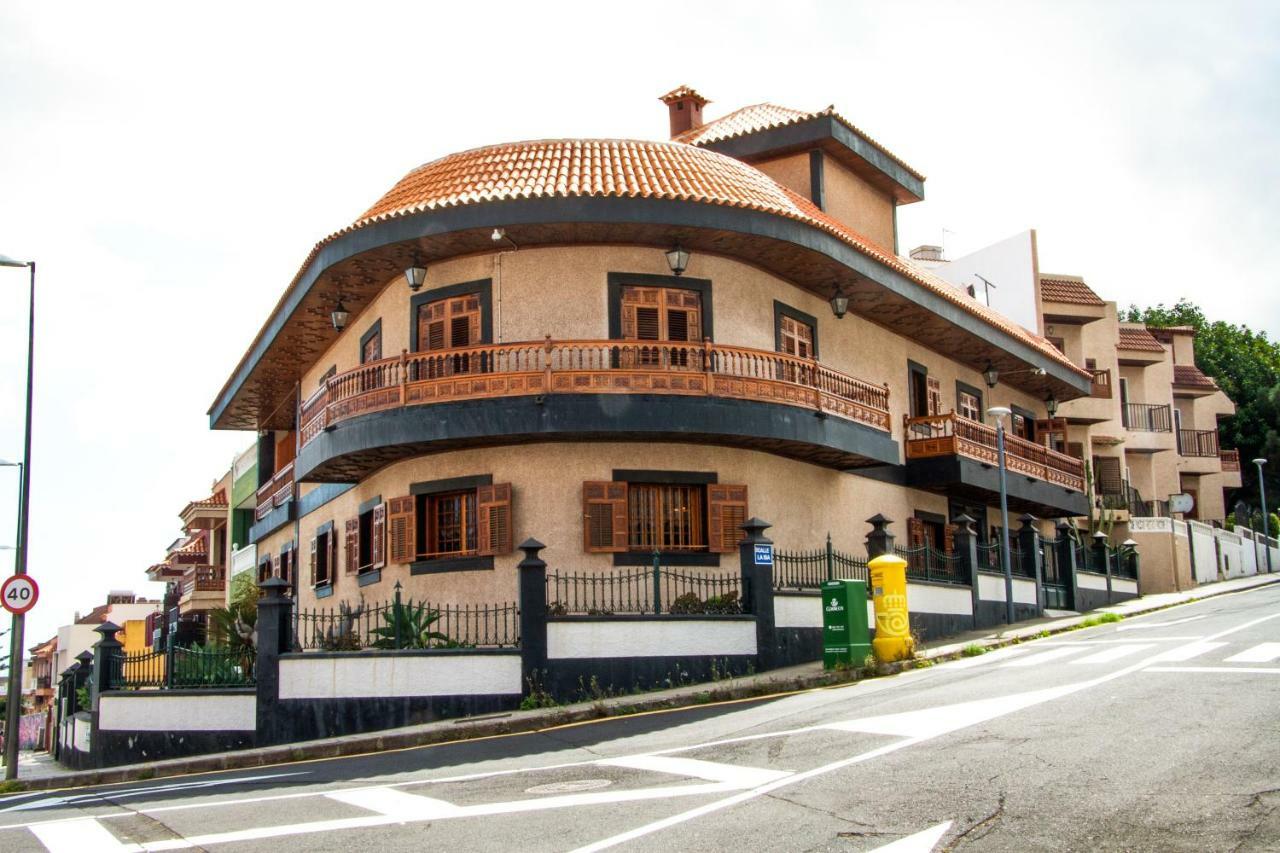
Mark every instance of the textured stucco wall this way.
pixel 391 675
pixel 856 203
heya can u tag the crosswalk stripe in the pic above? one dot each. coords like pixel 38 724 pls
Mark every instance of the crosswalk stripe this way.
pixel 730 774
pixel 1261 653
pixel 992 657
pixel 77 836
pixel 1187 652
pixel 1043 657
pixel 395 803
pixel 1113 653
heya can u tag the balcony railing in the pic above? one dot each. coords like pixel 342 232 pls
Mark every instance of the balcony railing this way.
pixel 1147 417
pixel 1198 442
pixel 1230 460
pixel 244 559
pixel 593 367
pixel 1126 497
pixel 275 492
pixel 953 435
pixel 204 579
pixel 1101 386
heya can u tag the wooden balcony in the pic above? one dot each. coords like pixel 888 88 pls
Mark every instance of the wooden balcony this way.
pixel 1101 386
pixel 203 587
pixel 593 367
pixel 1230 460
pixel 953 435
pixel 275 492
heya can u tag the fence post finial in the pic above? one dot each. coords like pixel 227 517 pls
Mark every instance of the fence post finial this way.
pixel 532 586
pixel 879 540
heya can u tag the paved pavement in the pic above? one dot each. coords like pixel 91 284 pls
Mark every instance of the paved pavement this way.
pixel 1156 733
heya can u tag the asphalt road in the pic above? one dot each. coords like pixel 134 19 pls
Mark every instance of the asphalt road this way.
pixel 1161 732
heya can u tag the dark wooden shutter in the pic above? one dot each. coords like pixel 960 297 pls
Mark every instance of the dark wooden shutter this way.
pixel 402 526
pixel 915 532
pixel 1107 476
pixel 378 533
pixel 604 516
pixel 353 545
pixel 312 560
pixel 493 505
pixel 949 539
pixel 726 513
pixel 935 395
pixel 332 546
pixel 1076 449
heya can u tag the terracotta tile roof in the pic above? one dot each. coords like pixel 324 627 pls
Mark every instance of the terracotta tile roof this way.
pixel 1189 374
pixel 195 544
pixel 759 117
pixel 1068 288
pixel 218 500
pixel 96 616
pixel 1138 339
pixel 633 168
pixel 683 92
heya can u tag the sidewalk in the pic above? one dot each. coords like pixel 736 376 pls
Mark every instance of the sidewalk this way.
pixel 39 771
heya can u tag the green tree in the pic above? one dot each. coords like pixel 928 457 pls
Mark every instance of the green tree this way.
pixel 1246 366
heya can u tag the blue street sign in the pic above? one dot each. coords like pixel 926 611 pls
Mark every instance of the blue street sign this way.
pixel 764 555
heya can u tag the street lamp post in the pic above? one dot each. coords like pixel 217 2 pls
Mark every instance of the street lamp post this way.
pixel 13 708
pixel 1000 413
pixel 1266 519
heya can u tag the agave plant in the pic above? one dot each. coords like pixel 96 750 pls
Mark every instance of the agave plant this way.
pixel 409 626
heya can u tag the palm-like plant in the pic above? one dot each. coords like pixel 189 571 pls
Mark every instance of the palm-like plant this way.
pixel 409 626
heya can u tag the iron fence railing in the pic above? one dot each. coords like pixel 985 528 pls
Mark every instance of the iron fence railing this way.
pixel 929 564
pixel 407 624
pixel 810 569
pixel 1147 417
pixel 181 667
pixel 989 558
pixel 657 589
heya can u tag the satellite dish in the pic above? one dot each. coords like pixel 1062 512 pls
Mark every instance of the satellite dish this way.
pixel 1181 503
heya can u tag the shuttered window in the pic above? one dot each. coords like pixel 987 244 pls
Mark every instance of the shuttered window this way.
pixel 660 314
pixel 797 337
pixel 1107 476
pixel 604 516
pixel 352 546
pixel 665 518
pixel 727 509
pixel 463 523
pixel 371 350
pixel 934 388
pixel 969 406
pixel 323 558
pixel 670 518
pixel 494 513
pixel 449 323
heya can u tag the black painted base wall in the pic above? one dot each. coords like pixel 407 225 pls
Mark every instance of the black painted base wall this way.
pixel 309 719
pixel 799 645
pixel 112 748
pixel 933 626
pixel 992 613
pixel 571 679
pixel 1090 599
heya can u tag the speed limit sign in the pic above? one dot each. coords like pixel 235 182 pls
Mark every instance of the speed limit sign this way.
pixel 19 593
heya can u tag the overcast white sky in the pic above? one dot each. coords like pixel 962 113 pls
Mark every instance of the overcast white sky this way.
pixel 169 166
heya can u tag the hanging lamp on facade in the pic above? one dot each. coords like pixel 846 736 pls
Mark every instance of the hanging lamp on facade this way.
pixel 677 259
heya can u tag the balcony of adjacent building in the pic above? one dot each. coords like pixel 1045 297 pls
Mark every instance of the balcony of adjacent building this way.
pixel 1123 501
pixel 585 390
pixel 206 514
pixel 1149 427
pixel 202 588
pixel 275 503
pixel 244 559
pixel 1096 408
pixel 1199 451
pixel 1229 460
pixel 957 456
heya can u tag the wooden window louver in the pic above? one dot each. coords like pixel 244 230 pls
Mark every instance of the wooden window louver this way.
pixel 604 516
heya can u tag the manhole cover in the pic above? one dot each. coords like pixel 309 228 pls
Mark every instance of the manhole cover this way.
pixel 569 787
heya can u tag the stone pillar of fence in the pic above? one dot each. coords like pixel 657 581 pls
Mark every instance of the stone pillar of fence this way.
pixel 83 673
pixel 966 545
pixel 1032 564
pixel 757 590
pixel 1102 558
pixel 532 572
pixel 1067 558
pixel 1131 558
pixel 879 540
pixel 106 654
pixel 275 637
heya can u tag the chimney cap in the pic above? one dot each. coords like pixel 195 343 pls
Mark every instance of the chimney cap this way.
pixel 926 253
pixel 680 93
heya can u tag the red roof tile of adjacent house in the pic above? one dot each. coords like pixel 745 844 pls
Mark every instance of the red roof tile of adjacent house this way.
pixel 634 168
pixel 1189 374
pixel 196 543
pixel 215 501
pixel 96 616
pixel 1068 288
pixel 1138 339
pixel 758 117
pixel 683 92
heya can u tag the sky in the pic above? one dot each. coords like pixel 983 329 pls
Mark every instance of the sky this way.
pixel 170 165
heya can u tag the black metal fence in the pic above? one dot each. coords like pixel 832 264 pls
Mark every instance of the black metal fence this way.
pixel 927 563
pixel 656 590
pixel 406 624
pixel 810 569
pixel 181 667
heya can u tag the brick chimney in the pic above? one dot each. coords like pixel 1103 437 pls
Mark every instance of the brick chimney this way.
pixel 685 107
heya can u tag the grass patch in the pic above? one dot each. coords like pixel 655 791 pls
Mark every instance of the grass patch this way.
pixel 973 650
pixel 12 786
pixel 1100 619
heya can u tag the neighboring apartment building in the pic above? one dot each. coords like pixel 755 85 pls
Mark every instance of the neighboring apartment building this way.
pixel 40 677
pixel 620 347
pixel 121 607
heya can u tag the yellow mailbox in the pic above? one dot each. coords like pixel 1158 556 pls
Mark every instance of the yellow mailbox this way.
pixel 889 592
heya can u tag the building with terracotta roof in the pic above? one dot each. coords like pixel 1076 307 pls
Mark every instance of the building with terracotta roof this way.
pixel 627 346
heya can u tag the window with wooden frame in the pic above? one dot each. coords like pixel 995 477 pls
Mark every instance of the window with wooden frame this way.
pixel 285 563
pixel 935 395
pixel 439 525
pixel 1022 425
pixel 1059 343
pixel 969 405
pixel 926 528
pixel 266 569
pixel 661 314
pixel 371 344
pixel 1108 477
pixel 795 335
pixel 324 556
pixel 365 539
pixel 667 517
pixel 450 323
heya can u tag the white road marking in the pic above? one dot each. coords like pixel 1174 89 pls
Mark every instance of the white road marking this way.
pixel 395 803
pixel 1140 626
pixel 1261 653
pixel 1114 653
pixel 1116 641
pixel 921 842
pixel 990 657
pixel 137 792
pixel 1042 657
pixel 1247 670
pixel 738 777
pixel 1187 652
pixel 931 722
pixel 78 836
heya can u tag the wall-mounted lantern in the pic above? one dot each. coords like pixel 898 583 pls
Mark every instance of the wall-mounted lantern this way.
pixel 677 259
pixel 839 302
pixel 340 315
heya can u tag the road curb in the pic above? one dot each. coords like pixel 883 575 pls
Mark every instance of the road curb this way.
pixel 776 684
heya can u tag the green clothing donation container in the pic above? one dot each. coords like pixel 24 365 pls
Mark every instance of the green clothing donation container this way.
pixel 846 637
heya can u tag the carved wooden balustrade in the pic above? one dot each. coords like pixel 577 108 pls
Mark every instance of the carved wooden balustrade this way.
pixel 1101 385
pixel 1230 460
pixel 275 492
pixel 593 367
pixel 953 435
pixel 204 579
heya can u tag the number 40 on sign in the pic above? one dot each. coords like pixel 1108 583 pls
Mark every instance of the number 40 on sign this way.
pixel 19 593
